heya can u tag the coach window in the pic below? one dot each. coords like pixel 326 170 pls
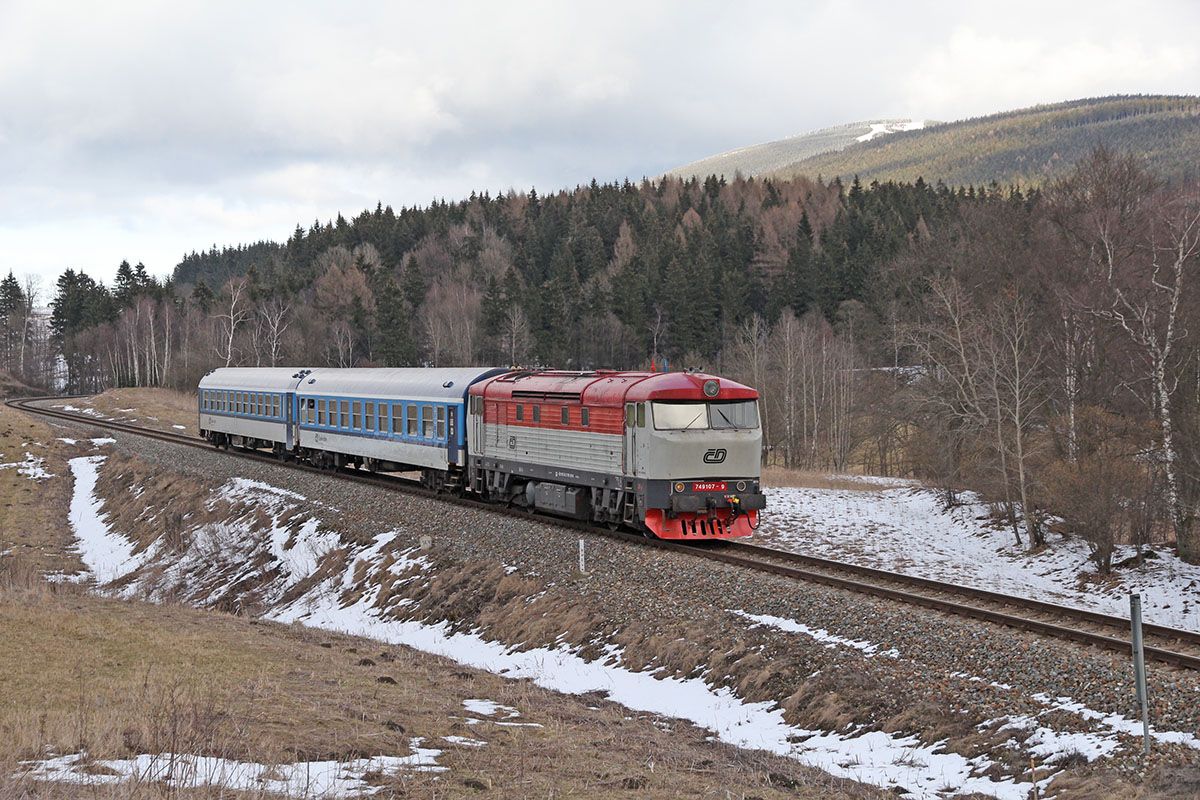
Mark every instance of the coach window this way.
pixel 585 418
pixel 520 413
pixel 441 422
pixel 278 404
pixel 356 414
pixel 369 415
pixel 397 419
pixel 537 413
pixel 566 415
pixel 427 422
pixel 410 414
pixel 344 407
pixel 322 419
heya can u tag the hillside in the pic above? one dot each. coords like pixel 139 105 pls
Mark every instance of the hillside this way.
pixel 762 158
pixel 1028 146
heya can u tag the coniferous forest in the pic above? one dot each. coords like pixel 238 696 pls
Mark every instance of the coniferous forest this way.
pixel 1040 347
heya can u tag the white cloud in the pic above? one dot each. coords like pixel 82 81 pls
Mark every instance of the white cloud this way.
pixel 1006 72
pixel 145 130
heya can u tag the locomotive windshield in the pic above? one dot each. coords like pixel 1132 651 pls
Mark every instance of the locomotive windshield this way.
pixel 690 416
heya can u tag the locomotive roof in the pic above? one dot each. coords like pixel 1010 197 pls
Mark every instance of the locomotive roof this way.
pixel 265 379
pixel 413 383
pixel 609 388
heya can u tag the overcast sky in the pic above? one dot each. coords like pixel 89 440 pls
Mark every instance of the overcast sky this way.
pixel 146 130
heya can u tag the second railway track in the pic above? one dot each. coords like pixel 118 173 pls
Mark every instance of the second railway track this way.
pixel 1177 647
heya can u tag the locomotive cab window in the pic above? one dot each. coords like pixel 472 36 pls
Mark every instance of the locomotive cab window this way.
pixel 690 416
pixel 629 415
pixel 733 416
pixel 641 415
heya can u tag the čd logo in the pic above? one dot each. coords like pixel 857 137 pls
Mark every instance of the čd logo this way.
pixel 715 456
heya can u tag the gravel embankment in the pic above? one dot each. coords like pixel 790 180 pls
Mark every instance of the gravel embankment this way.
pixel 927 686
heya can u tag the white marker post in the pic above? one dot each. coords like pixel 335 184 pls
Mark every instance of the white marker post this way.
pixel 1139 667
pixel 582 559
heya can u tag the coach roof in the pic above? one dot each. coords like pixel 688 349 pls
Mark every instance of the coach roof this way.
pixel 410 383
pixel 257 379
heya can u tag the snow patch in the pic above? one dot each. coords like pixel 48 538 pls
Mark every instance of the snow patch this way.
pixel 184 771
pixel 464 741
pixel 884 128
pixel 489 708
pixel 869 649
pixel 108 555
pixel 32 467
pixel 894 762
pixel 907 529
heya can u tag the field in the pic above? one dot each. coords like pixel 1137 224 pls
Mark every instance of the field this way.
pixel 94 688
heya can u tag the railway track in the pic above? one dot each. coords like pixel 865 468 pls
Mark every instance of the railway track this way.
pixel 1173 646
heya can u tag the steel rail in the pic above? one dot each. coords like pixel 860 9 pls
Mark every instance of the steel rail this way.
pixel 739 554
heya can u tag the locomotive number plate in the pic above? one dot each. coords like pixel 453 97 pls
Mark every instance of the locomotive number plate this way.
pixel 708 486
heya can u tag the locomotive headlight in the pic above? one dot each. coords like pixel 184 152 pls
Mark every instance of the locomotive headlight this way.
pixel 679 487
pixel 741 486
pixel 711 388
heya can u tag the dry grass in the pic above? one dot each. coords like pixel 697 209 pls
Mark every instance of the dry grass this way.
pixel 153 408
pixel 809 479
pixel 11 387
pixel 118 678
pixel 33 513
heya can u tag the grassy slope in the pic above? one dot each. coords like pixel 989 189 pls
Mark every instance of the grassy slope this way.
pixel 761 158
pixel 78 671
pixel 1028 146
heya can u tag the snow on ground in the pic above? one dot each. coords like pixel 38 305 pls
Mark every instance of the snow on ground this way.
pixel 464 741
pixel 302 779
pixel 892 761
pixel 32 467
pixel 108 555
pixel 883 759
pixel 904 528
pixel 883 128
pixel 1048 744
pixel 869 649
pixel 489 708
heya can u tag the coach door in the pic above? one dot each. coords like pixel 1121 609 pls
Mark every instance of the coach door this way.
pixel 289 417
